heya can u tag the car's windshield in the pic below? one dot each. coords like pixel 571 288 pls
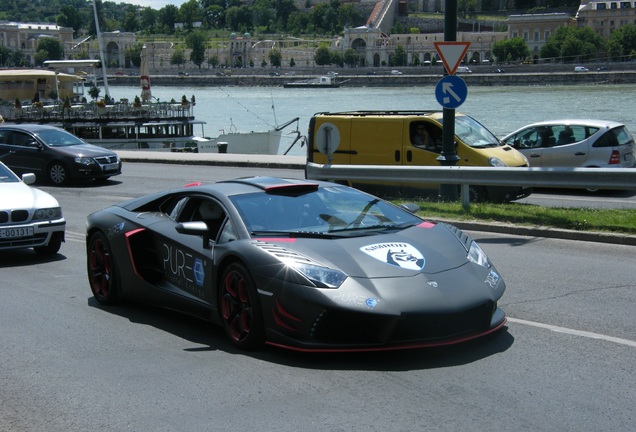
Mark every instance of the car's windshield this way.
pixel 7 176
pixel 59 138
pixel 328 210
pixel 473 133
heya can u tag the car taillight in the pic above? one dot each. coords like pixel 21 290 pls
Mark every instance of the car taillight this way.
pixel 615 158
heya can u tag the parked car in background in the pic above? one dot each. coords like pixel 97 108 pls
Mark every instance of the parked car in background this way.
pixel 580 69
pixel 396 72
pixel 575 143
pixel 29 217
pixel 54 154
pixel 463 69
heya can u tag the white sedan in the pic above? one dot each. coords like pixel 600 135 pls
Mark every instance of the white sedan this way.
pixel 29 217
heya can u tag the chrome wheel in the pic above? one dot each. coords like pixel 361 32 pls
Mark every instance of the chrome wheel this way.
pixel 58 174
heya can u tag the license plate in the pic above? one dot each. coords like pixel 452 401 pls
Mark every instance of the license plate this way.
pixel 7 233
pixel 111 167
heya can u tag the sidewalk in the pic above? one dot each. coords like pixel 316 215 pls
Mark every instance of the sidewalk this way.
pixel 226 159
pixel 298 162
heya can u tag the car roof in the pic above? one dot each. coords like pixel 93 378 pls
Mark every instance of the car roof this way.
pixel 578 122
pixel 30 127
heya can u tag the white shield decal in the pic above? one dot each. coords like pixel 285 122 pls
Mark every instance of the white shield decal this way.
pixel 398 254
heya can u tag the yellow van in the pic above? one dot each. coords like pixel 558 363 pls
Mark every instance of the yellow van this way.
pixel 408 138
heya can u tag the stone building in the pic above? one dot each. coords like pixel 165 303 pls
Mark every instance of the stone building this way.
pixel 606 16
pixel 535 29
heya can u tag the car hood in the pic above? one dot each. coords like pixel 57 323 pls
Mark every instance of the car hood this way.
pixel 21 196
pixel 88 150
pixel 426 248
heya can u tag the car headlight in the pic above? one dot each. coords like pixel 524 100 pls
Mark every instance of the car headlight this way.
pixel 478 256
pixel 84 160
pixel 47 213
pixel 322 277
pixel 496 162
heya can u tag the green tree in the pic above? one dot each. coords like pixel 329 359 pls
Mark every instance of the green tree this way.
pixel 178 57
pixel 190 12
pixel 350 57
pixel 514 49
pixel 275 57
pixel 133 54
pixel 196 42
pixel 149 18
pixel 573 44
pixel 322 56
pixel 622 42
pixel 71 17
pixel 399 56
pixel 167 17
pixel 131 23
pixel 48 49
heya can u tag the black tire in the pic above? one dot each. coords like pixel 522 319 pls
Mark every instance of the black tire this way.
pixel 57 173
pixel 53 247
pixel 477 194
pixel 240 309
pixel 102 270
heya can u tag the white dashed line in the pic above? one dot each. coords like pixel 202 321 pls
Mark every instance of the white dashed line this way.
pixel 574 332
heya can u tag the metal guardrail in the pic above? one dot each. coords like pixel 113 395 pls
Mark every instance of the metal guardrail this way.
pixel 576 178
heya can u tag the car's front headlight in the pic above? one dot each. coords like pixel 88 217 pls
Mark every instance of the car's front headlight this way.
pixel 496 162
pixel 478 256
pixel 322 277
pixel 84 160
pixel 47 213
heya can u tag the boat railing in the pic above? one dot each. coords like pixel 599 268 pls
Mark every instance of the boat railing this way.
pixel 95 111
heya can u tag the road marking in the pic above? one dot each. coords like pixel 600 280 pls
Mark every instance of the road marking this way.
pixel 574 332
pixel 75 237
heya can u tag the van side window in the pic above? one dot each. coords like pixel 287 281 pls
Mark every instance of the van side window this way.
pixel 426 136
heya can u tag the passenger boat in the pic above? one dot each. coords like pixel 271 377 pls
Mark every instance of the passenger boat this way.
pixel 317 82
pixel 122 125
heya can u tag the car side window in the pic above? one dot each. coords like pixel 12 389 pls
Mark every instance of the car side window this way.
pixel 21 139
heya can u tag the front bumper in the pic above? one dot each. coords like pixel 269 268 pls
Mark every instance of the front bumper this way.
pixel 42 234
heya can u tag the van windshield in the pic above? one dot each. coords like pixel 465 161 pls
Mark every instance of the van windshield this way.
pixel 473 133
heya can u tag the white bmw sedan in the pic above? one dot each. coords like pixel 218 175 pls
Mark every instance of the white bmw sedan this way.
pixel 29 217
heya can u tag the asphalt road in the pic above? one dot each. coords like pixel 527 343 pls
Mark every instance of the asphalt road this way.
pixel 564 362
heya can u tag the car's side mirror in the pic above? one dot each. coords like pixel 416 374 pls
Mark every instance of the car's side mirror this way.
pixel 195 228
pixel 410 207
pixel 28 178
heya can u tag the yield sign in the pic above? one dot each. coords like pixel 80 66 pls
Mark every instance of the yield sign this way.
pixel 452 54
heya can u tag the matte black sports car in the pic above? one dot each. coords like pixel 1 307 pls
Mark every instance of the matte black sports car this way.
pixel 298 264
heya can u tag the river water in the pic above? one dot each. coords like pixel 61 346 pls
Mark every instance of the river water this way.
pixel 500 109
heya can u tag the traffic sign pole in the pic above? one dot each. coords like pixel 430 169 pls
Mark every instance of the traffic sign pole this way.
pixel 449 157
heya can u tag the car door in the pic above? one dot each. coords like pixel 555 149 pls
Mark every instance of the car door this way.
pixel 571 148
pixel 187 260
pixel 23 153
pixel 531 142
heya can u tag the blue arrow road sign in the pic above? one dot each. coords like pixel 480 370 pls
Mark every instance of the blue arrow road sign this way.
pixel 451 91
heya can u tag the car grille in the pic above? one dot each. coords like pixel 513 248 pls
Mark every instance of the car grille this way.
pixel 336 326
pixel 14 216
pixel 104 160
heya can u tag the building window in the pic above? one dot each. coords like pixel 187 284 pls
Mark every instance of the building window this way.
pixel 547 34
pixel 613 5
pixel 536 36
pixel 525 36
pixel 625 5
pixel 600 6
